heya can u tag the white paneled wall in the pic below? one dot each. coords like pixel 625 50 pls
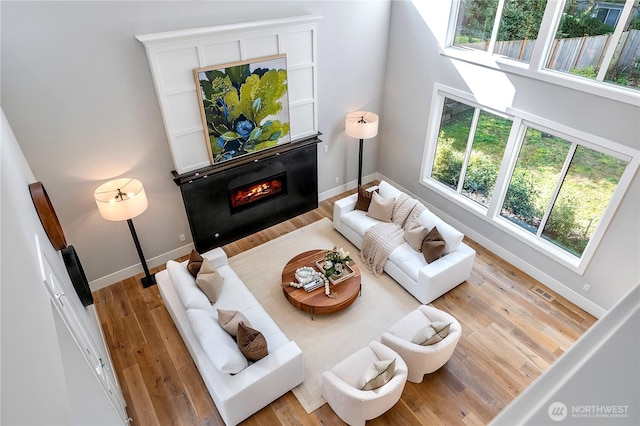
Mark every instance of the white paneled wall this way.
pixel 174 55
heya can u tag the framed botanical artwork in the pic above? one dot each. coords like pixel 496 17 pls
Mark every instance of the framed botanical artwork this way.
pixel 244 106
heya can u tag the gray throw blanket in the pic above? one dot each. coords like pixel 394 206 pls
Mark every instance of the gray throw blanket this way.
pixel 382 238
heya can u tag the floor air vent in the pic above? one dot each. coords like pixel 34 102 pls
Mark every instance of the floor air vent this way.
pixel 543 293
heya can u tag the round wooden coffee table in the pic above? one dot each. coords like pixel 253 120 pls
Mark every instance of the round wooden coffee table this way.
pixel 316 302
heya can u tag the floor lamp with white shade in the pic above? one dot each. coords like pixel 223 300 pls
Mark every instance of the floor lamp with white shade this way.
pixel 124 199
pixel 361 125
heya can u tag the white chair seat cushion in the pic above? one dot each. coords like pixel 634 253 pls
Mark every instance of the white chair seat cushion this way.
pixel 219 346
pixel 358 221
pixel 185 285
pixel 451 236
pixel 407 327
pixel 351 369
pixel 407 259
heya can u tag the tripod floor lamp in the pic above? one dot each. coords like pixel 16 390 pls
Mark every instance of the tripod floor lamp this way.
pixel 361 125
pixel 124 199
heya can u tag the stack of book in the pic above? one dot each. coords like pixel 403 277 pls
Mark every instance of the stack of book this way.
pixel 312 285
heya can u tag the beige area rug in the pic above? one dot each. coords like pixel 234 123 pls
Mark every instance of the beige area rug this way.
pixel 328 338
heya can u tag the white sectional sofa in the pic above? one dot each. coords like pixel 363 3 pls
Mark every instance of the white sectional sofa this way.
pixel 239 388
pixel 426 282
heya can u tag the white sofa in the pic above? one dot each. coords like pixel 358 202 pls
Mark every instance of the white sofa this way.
pixel 426 282
pixel 238 388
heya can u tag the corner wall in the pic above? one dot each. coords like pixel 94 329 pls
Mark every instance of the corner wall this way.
pixel 407 96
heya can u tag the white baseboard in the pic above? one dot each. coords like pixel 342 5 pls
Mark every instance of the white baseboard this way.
pixel 346 186
pixel 130 271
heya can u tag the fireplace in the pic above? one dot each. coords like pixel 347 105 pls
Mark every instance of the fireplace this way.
pixel 255 193
pixel 237 199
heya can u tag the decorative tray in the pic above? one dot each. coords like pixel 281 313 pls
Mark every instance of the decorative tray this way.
pixel 335 279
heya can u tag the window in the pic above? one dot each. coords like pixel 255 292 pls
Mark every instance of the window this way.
pixel 470 148
pixel 587 43
pixel 559 190
pixel 516 31
pixel 608 13
pixel 584 39
pixel 555 189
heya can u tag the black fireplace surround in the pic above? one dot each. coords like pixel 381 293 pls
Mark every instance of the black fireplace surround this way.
pixel 228 202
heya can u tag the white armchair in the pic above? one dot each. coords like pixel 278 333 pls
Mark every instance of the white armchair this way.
pixel 355 406
pixel 420 359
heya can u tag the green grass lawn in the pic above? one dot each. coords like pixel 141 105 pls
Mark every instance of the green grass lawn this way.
pixel 589 184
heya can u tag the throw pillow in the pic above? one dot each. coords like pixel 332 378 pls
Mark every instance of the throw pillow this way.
pixel 433 245
pixel 251 343
pixel 209 280
pixel 377 374
pixel 432 333
pixel 194 264
pixel 229 320
pixel 415 237
pixel 381 209
pixel 364 199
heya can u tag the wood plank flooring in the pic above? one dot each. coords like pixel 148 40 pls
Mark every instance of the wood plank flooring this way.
pixel 511 335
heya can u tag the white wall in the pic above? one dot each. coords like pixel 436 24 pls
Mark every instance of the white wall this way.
pixel 77 90
pixel 43 372
pixel 409 82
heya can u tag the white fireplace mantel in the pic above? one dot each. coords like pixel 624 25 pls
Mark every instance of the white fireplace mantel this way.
pixel 174 55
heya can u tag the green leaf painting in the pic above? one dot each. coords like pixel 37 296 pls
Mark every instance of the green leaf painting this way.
pixel 245 106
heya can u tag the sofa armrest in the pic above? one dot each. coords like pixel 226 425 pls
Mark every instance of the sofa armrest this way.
pixel 344 205
pixel 217 257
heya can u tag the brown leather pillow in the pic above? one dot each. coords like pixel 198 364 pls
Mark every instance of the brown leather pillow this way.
pixel 364 199
pixel 251 343
pixel 194 264
pixel 433 245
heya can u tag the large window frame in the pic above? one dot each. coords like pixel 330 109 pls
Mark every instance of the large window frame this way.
pixel 521 121
pixel 536 68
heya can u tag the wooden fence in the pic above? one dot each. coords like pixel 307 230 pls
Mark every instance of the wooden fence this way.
pixel 570 53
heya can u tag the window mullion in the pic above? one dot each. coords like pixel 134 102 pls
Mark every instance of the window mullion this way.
pixel 614 40
pixel 496 26
pixel 546 34
pixel 509 159
pixel 556 191
pixel 467 153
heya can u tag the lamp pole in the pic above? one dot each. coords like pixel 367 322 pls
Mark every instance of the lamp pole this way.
pixel 148 279
pixel 360 163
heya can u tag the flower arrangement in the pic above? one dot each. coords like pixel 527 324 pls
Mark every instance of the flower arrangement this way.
pixel 335 261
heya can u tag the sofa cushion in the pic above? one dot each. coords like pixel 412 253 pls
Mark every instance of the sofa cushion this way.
pixel 433 245
pixel 407 259
pixel 209 280
pixel 364 199
pixel 358 221
pixel 251 343
pixel 185 285
pixel 450 235
pixel 386 190
pixel 229 320
pixel 377 374
pixel 216 343
pixel 381 209
pixel 194 263
pixel 415 237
